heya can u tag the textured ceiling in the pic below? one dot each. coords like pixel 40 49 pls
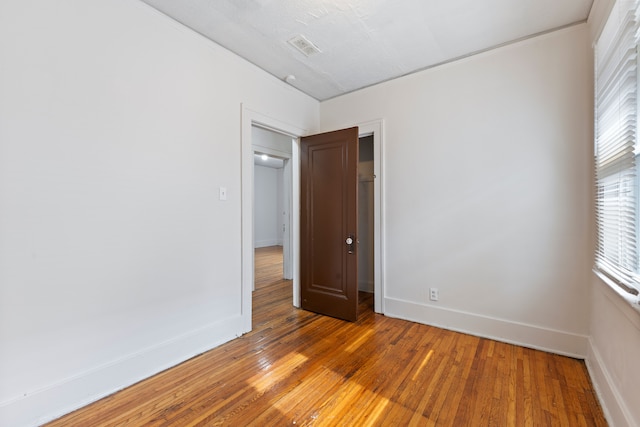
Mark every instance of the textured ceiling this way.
pixel 364 42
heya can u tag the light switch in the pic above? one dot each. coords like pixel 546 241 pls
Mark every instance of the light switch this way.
pixel 223 193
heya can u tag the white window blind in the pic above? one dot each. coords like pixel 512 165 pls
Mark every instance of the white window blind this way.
pixel 616 142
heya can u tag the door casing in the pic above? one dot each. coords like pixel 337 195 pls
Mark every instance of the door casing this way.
pixel 253 117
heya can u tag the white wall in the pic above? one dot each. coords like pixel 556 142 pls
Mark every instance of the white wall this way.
pixel 487 177
pixel 117 260
pixel 117 126
pixel 613 356
pixel 271 142
pixel 267 206
pixel 614 342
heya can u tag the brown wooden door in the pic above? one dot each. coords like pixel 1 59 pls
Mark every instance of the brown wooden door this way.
pixel 328 219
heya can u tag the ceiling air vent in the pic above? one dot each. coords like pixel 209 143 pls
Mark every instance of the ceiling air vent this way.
pixel 303 45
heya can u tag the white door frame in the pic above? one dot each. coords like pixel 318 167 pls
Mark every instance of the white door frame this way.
pixel 287 235
pixel 376 128
pixel 250 118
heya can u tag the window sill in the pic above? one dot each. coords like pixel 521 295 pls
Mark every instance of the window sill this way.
pixel 622 299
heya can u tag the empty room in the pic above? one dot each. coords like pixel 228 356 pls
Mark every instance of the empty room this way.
pixel 453 223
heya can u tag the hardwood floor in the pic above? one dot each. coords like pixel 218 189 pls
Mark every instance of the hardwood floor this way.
pixel 299 368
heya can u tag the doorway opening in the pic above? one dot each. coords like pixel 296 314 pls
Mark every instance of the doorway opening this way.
pixel 272 202
pixel 366 221
pixel 271 216
pixel 251 119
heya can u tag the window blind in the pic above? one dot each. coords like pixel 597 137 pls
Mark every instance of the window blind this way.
pixel 615 152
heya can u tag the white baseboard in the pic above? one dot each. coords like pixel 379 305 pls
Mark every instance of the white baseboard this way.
pixel 55 400
pixel 612 403
pixel 366 286
pixel 267 243
pixel 553 341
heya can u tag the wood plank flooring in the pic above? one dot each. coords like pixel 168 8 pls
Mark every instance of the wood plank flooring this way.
pixel 299 368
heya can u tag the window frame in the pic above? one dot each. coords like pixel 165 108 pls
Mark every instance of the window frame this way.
pixel 616 149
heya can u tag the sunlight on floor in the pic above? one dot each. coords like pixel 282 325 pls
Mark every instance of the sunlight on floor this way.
pixel 364 337
pixel 277 372
pixel 422 365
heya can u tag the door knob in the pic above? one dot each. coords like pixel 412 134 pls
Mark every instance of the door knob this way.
pixel 349 242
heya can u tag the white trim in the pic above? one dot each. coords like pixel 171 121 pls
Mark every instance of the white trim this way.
pixel 612 403
pixel 53 401
pixel 376 127
pixel 531 336
pixel 624 300
pixel 268 243
pixel 295 222
pixel 271 151
pixel 287 235
pixel 598 15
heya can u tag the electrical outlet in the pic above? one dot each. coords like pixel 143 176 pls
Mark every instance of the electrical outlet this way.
pixel 433 294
